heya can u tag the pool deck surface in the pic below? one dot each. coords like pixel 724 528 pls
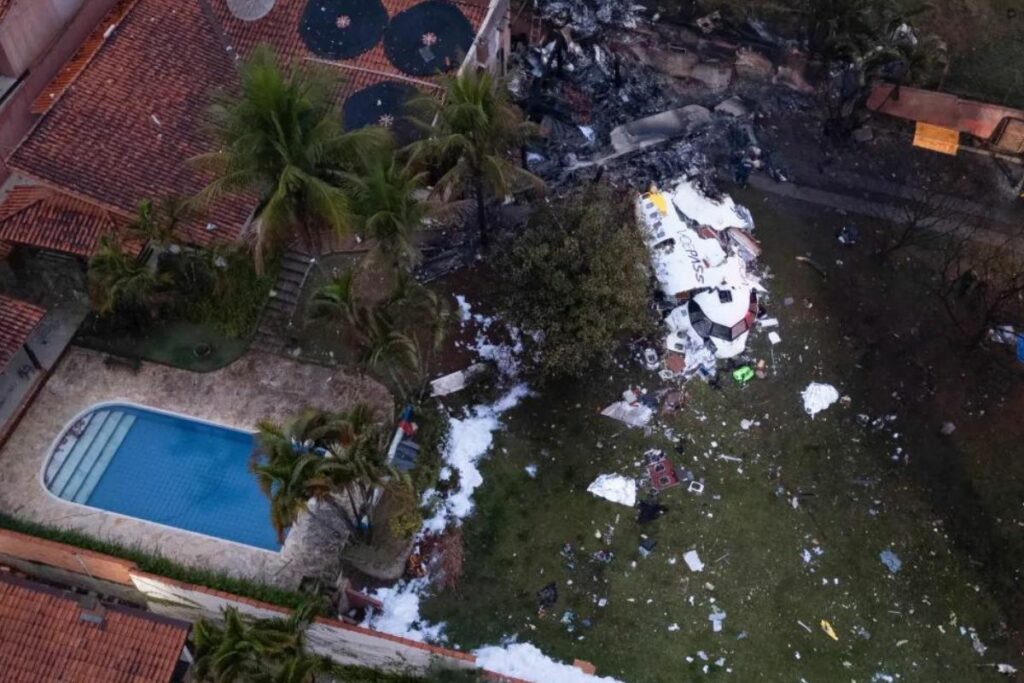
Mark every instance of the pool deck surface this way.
pixel 255 387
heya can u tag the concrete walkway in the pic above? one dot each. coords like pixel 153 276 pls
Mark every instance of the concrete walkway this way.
pixel 1000 234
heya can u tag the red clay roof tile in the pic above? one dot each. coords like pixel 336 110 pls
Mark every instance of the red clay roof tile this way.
pixel 45 639
pixel 126 127
pixel 17 320
pixel 129 110
pixel 40 217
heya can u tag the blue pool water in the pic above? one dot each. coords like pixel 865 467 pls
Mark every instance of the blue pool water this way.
pixel 166 469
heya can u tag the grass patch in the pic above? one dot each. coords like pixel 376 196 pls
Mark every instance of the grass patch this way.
pixel 744 527
pixel 171 343
pixel 157 564
pixel 212 309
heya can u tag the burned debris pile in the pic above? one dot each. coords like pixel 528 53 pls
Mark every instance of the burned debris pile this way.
pixel 620 105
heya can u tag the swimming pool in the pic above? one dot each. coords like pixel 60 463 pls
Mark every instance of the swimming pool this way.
pixel 162 468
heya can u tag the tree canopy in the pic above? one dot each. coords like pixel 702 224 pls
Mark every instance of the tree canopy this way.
pixel 281 141
pixel 577 276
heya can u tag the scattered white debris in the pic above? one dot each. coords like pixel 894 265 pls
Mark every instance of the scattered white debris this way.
pixel 976 643
pixel 774 338
pixel 456 381
pixel 716 214
pixel 1007 669
pixel 469 440
pixel 531 470
pixel 746 424
pixel 401 613
pixel 692 560
pixel 817 397
pixel 526 661
pixel 716 618
pixel 465 308
pixel 673 628
pixel 632 414
pixel 614 487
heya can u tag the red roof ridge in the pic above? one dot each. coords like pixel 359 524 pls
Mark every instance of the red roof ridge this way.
pixel 20 197
pixel 82 57
pixel 41 217
pixel 38 181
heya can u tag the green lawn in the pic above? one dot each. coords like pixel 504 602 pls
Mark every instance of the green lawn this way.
pixel 749 536
pixel 191 346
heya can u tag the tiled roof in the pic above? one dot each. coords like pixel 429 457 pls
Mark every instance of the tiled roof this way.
pixel 40 217
pixel 76 65
pixel 128 111
pixel 280 30
pixel 125 128
pixel 45 639
pixel 17 320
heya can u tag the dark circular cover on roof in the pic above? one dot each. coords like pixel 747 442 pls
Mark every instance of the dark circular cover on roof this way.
pixel 342 29
pixel 428 38
pixel 382 104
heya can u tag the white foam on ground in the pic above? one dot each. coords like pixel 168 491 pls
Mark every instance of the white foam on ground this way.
pixel 526 661
pixel 817 397
pixel 616 488
pixel 401 613
pixel 469 440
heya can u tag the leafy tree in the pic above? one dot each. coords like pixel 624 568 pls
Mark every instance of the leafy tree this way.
pixel 979 282
pixel 577 276
pixel 474 129
pixel 281 141
pixel 120 283
pixel 388 209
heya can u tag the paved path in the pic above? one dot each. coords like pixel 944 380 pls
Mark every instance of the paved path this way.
pixel 999 232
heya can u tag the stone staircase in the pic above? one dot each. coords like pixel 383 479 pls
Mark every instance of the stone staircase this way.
pixel 273 334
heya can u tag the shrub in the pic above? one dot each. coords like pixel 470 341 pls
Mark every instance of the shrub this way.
pixel 577 275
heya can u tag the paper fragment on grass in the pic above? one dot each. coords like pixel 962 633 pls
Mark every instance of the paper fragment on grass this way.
pixel 614 487
pixel 692 560
pixel 817 397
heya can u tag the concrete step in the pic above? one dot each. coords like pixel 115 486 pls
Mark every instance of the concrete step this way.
pixel 95 472
pixel 60 479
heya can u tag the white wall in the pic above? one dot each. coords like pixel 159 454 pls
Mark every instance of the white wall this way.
pixel 29 28
pixel 347 645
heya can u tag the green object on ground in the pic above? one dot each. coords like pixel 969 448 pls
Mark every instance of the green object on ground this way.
pixel 743 375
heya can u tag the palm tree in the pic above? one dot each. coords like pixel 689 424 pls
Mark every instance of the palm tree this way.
pixel 386 349
pixel 247 650
pixel 319 457
pixel 119 282
pixel 387 208
pixel 336 301
pixel 158 225
pixel 281 141
pixel 473 131
pixel 309 430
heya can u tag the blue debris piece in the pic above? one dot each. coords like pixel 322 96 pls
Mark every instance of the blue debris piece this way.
pixel 890 560
pixel 1020 347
